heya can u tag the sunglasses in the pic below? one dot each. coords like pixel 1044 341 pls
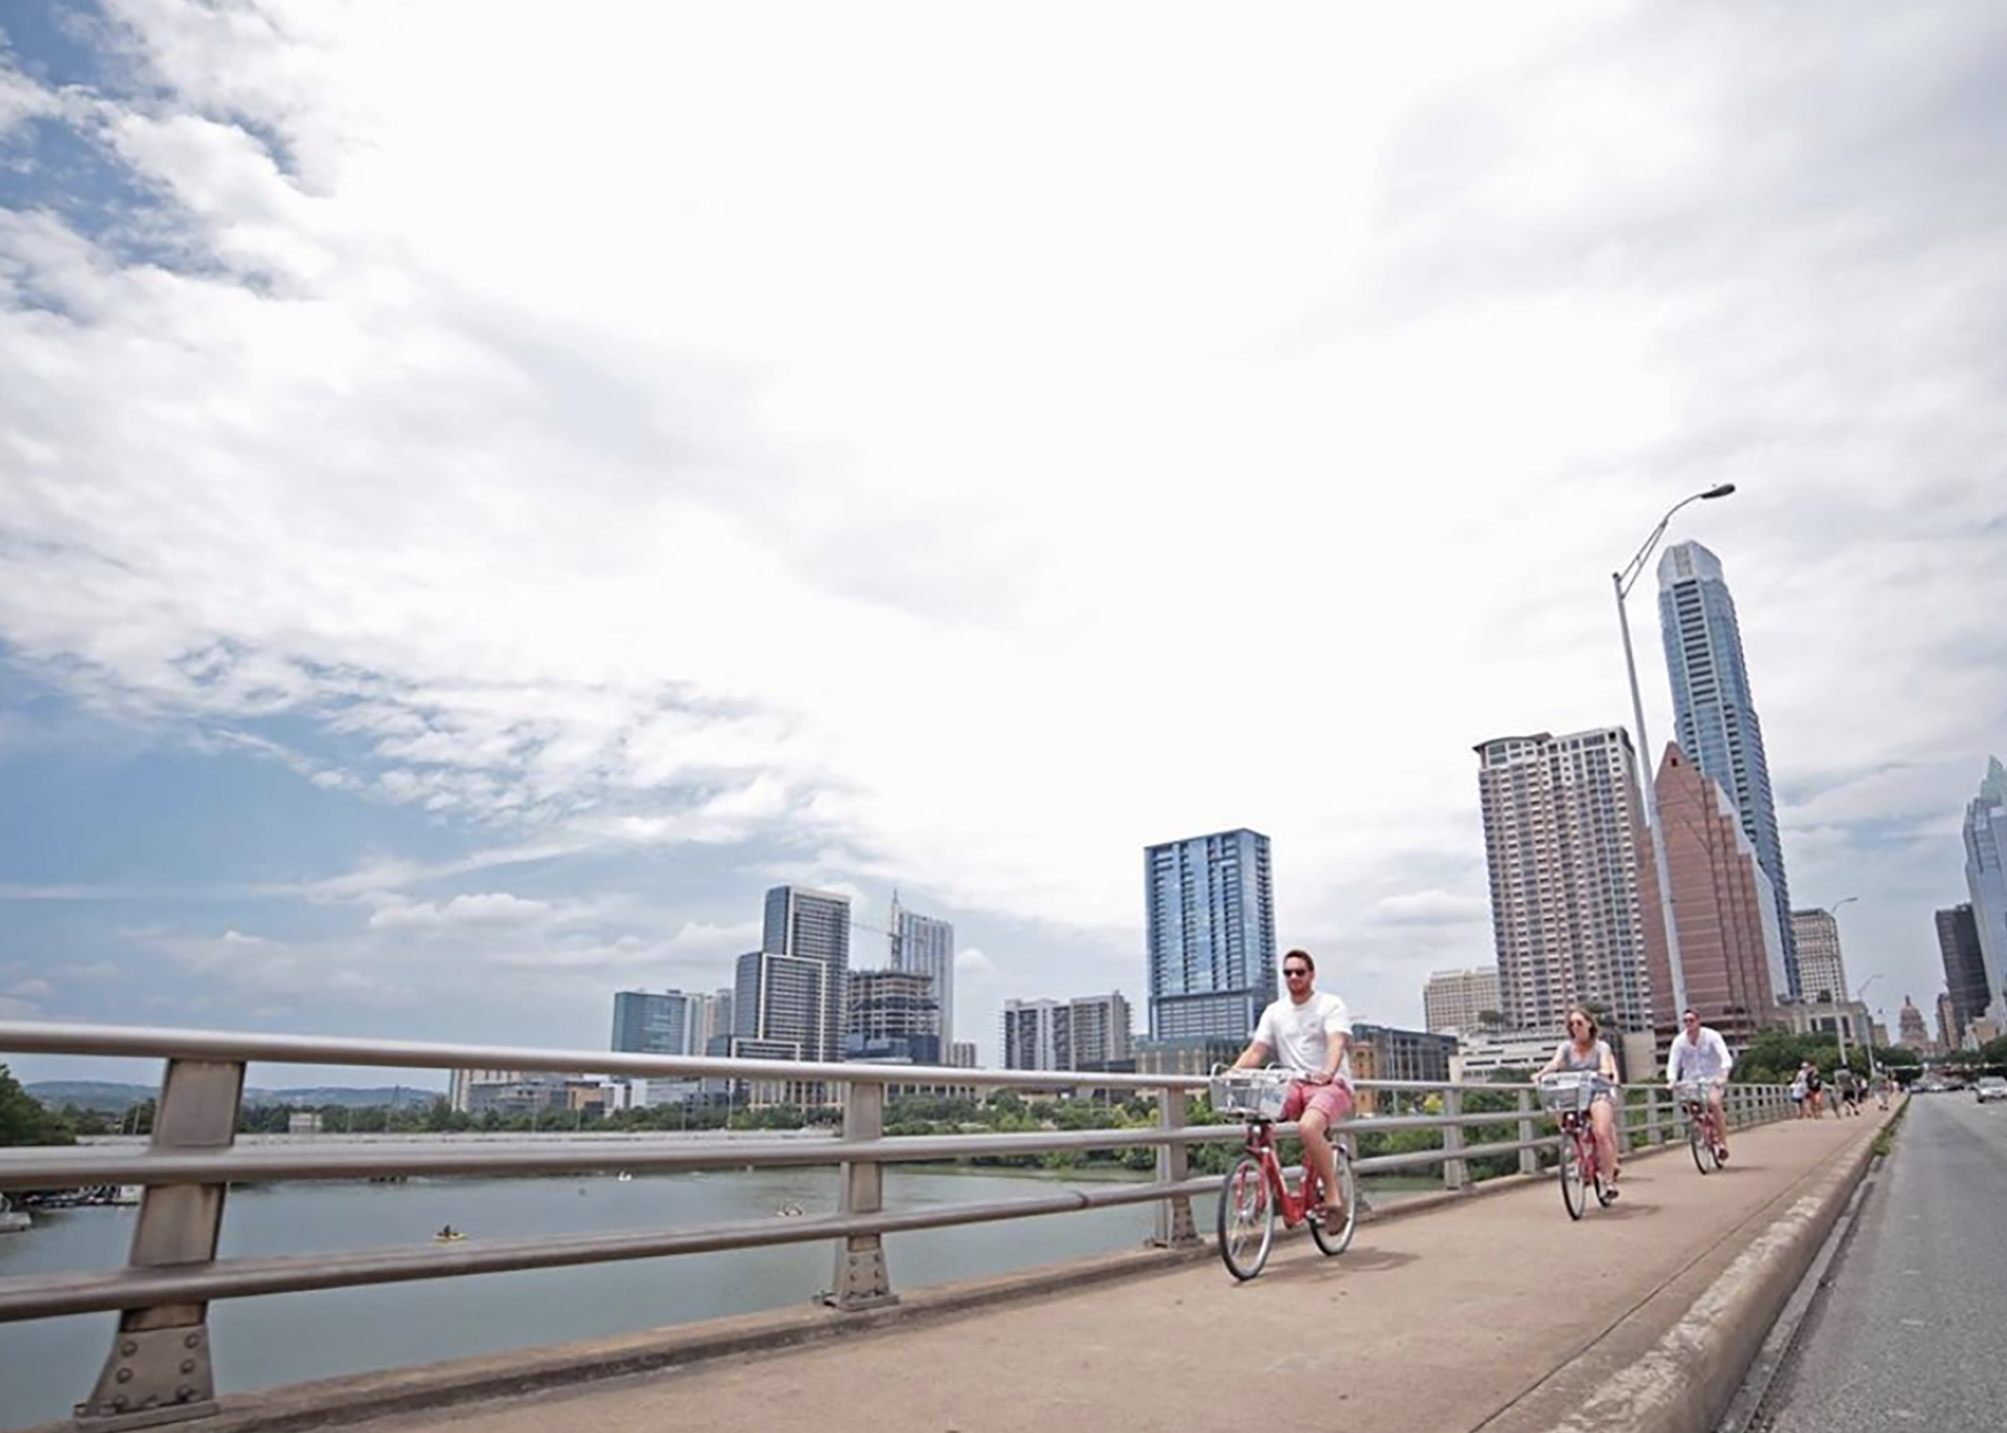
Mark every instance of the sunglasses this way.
pixel 1293 970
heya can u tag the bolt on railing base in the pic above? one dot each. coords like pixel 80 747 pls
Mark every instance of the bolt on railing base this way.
pixel 866 1283
pixel 153 1376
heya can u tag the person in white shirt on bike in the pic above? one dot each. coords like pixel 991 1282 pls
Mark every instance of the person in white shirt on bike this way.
pixel 1308 1034
pixel 1699 1053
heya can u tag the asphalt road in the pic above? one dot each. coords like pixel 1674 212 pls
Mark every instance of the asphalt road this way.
pixel 1911 1331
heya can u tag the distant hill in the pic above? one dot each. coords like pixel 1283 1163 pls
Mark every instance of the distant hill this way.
pixel 108 1097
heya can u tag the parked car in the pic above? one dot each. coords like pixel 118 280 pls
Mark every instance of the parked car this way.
pixel 1990 1087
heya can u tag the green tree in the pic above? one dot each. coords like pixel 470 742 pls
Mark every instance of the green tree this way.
pixel 24 1119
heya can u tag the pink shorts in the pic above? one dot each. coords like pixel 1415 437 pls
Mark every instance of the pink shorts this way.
pixel 1334 1101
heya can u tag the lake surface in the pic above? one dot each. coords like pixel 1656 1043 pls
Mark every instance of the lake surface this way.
pixel 48 1365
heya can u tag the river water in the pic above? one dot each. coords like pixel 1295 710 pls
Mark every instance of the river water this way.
pixel 48 1365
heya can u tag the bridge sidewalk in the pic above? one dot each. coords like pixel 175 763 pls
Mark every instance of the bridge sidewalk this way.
pixel 1496 1314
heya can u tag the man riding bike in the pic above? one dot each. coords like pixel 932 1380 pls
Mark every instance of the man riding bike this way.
pixel 1699 1053
pixel 1308 1033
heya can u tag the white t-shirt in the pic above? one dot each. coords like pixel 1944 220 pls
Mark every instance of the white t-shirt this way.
pixel 1708 1060
pixel 1299 1036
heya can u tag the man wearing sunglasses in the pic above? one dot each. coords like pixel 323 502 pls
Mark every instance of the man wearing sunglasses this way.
pixel 1308 1033
pixel 1699 1053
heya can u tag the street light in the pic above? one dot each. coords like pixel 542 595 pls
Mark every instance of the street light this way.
pixel 1622 582
pixel 1832 913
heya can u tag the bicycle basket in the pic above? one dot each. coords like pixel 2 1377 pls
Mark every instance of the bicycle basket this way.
pixel 1691 1092
pixel 1571 1090
pixel 1256 1094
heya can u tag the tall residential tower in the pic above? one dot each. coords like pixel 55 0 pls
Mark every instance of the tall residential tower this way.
pixel 1563 835
pixel 1211 920
pixel 1715 715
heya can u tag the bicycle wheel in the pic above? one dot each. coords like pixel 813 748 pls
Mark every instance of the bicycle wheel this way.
pixel 1246 1218
pixel 1337 1238
pixel 1573 1195
pixel 1698 1141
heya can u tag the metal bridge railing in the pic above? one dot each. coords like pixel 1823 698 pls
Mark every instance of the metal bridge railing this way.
pixel 159 1369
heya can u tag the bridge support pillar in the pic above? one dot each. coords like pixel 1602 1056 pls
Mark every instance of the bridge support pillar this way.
pixel 1456 1171
pixel 862 1280
pixel 1174 1216
pixel 159 1369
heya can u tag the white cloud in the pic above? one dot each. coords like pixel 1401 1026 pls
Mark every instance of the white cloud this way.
pixel 13 1009
pixel 971 502
pixel 31 989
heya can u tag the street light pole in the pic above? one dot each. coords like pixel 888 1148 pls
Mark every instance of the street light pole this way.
pixel 1832 913
pixel 1622 582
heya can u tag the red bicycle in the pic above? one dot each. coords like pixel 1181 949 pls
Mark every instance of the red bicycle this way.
pixel 1703 1134
pixel 1567 1096
pixel 1258 1186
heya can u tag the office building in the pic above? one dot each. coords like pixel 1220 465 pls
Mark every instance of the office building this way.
pixel 666 1022
pixel 1731 949
pixel 1714 713
pixel 1948 1033
pixel 1454 1001
pixel 893 1017
pixel 962 1055
pixel 923 945
pixel 1564 840
pixel 1964 968
pixel 1986 883
pixel 1210 912
pixel 1382 1052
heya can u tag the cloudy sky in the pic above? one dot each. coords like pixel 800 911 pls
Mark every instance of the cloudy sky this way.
pixel 487 489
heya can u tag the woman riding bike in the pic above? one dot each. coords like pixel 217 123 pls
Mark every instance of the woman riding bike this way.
pixel 1585 1049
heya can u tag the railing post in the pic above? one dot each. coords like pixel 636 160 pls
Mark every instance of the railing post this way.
pixel 159 1369
pixel 1456 1173
pixel 1529 1158
pixel 1174 1215
pixel 862 1280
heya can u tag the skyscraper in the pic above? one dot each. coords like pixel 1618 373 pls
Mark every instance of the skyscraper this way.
pixel 1822 974
pixel 1715 715
pixel 1964 967
pixel 1211 924
pixel 1563 834
pixel 922 945
pixel 1730 946
pixel 807 926
pixel 1986 881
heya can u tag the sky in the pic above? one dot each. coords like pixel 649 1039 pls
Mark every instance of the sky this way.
pixel 486 492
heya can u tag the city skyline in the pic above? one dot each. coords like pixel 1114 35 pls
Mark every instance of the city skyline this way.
pixel 453 550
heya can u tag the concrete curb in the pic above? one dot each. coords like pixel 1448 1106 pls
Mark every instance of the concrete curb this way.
pixel 1674 1364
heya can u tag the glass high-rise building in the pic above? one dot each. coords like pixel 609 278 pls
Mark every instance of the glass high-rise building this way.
pixel 922 945
pixel 1714 714
pixel 667 1022
pixel 1986 882
pixel 1964 968
pixel 1211 931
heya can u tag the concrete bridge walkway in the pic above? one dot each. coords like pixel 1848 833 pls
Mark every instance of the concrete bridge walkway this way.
pixel 1496 1313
